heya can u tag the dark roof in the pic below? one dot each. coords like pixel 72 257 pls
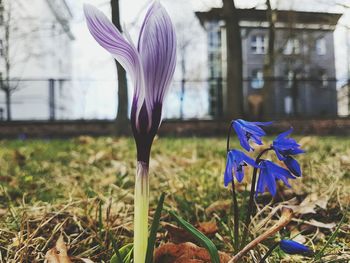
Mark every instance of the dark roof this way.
pixel 286 16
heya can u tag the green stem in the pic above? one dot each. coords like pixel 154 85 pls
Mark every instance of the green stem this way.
pixel 235 217
pixel 268 253
pixel 251 197
pixel 141 204
pixel 234 198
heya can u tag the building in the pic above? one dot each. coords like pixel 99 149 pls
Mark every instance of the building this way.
pixel 343 100
pixel 304 72
pixel 35 59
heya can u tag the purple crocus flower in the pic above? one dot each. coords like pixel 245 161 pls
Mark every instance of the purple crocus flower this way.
pixel 293 247
pixel 236 160
pixel 249 131
pixel 285 147
pixel 269 173
pixel 150 66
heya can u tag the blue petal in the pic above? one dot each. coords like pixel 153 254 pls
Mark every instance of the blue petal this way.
pixel 270 183
pixel 241 136
pixel 284 134
pixel 278 154
pixel 260 187
pixel 293 166
pixel 239 176
pixel 228 171
pixel 245 158
pixel 295 151
pixel 292 247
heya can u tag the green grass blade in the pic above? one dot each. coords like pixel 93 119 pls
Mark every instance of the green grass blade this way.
pixel 154 228
pixel 319 255
pixel 125 254
pixel 199 236
pixel 118 257
pixel 100 220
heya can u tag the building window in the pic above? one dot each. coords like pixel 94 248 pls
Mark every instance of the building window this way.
pixel 288 106
pixel 290 78
pixel 257 79
pixel 292 47
pixel 258 44
pixel 324 78
pixel 214 38
pixel 321 46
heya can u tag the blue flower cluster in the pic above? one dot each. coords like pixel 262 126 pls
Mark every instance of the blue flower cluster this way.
pixel 269 172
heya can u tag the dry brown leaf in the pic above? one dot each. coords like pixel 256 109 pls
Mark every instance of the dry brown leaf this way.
pixel 316 223
pixel 59 253
pixel 345 160
pixel 179 235
pixel 298 237
pixel 3 212
pixel 185 252
pixel 221 205
pixel 208 228
pixel 308 205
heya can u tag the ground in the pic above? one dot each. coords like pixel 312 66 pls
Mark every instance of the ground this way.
pixel 83 188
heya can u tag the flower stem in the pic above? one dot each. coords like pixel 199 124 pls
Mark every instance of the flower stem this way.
pixel 234 198
pixel 268 253
pixel 250 207
pixel 235 217
pixel 141 203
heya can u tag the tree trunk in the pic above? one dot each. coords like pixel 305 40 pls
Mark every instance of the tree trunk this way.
pixel 269 64
pixel 234 98
pixel 122 121
pixel 8 104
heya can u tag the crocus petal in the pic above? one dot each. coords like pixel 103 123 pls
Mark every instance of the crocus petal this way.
pixel 157 47
pixel 109 37
pixel 293 247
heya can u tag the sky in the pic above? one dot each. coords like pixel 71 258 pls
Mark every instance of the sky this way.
pixel 94 68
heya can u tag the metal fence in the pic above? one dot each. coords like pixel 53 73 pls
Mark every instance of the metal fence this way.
pixel 61 99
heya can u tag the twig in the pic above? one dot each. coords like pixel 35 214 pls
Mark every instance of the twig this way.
pixel 287 215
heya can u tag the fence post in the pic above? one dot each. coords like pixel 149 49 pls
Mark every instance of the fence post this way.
pixel 52 99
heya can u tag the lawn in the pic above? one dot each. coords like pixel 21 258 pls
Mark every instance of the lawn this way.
pixel 83 188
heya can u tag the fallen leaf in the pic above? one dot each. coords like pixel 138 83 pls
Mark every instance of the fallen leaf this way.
pixel 221 205
pixel 179 235
pixel 208 228
pixel 316 223
pixel 308 205
pixel 58 254
pixel 297 236
pixel 185 253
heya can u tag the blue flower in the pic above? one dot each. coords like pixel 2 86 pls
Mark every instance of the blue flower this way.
pixel 249 131
pixel 285 147
pixel 269 173
pixel 292 247
pixel 236 160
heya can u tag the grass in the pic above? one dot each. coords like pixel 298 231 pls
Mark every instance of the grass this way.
pixel 83 187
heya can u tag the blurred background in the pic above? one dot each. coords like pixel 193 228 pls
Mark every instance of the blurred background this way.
pixel 268 59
